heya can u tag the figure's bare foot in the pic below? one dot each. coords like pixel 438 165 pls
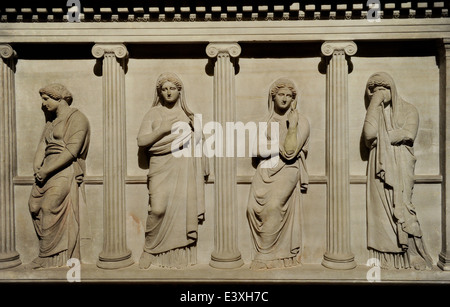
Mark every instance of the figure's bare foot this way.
pixel 258 265
pixel 145 261
pixel 419 263
pixel 34 265
pixel 386 265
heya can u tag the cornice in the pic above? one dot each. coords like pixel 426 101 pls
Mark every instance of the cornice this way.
pixel 190 11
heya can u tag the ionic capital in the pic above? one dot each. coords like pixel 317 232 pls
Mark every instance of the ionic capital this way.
pixel 119 50
pixel 329 47
pixel 214 49
pixel 6 51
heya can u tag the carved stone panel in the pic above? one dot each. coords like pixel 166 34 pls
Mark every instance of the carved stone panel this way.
pixel 283 143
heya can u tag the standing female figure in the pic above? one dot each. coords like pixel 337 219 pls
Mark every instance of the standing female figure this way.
pixel 59 168
pixel 175 179
pixel 274 204
pixel 393 232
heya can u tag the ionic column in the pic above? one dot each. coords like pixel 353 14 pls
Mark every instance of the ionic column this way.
pixel 338 254
pixel 225 253
pixel 444 145
pixel 115 253
pixel 8 256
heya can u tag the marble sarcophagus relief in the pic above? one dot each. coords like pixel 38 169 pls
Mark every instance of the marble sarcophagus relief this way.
pixel 225 142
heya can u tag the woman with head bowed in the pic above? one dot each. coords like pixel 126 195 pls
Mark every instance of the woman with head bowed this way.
pixel 59 168
pixel 175 178
pixel 393 231
pixel 274 204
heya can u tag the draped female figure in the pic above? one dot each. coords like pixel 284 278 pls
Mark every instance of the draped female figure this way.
pixel 274 203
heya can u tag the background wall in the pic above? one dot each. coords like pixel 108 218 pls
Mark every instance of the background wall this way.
pixel 416 78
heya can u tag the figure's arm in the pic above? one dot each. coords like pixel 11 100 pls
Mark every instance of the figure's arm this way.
pixel 303 134
pixel 290 142
pixel 39 156
pixel 77 132
pixel 149 135
pixel 296 141
pixel 407 134
pixel 64 159
pixel 370 129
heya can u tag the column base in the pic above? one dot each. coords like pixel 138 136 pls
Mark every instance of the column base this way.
pixel 9 260
pixel 443 262
pixel 112 263
pixel 228 263
pixel 339 262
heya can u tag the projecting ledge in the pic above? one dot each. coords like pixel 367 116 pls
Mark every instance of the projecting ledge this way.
pixel 301 30
pixel 240 179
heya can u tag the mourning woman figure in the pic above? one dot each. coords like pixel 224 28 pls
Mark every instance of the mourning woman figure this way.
pixel 394 234
pixel 59 168
pixel 175 179
pixel 274 204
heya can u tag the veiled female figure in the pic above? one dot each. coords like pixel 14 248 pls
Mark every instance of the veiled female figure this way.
pixel 59 168
pixel 175 179
pixel 274 204
pixel 393 231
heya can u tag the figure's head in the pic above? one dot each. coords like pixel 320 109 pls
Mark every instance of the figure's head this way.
pixel 52 95
pixel 169 87
pixel 170 92
pixel 380 81
pixel 283 94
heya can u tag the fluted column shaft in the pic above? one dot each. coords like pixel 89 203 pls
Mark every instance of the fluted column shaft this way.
pixel 8 255
pixel 226 253
pixel 444 93
pixel 115 253
pixel 338 254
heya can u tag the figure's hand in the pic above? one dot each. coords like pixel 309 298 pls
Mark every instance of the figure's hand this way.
pixel 292 118
pixel 166 125
pixel 36 169
pixel 377 98
pixel 41 174
pixel 380 95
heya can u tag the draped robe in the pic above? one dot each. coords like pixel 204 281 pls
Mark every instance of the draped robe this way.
pixel 274 203
pixel 391 216
pixel 55 204
pixel 176 195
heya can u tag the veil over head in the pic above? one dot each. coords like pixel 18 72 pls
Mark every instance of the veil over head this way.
pixel 385 80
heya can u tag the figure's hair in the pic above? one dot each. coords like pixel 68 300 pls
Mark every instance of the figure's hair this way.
pixel 168 77
pixel 374 82
pixel 57 91
pixel 283 83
